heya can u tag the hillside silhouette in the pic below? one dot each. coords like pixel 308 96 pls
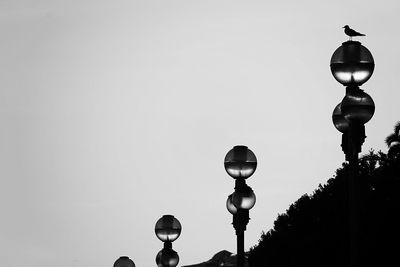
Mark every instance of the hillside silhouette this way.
pixel 314 231
pixel 222 258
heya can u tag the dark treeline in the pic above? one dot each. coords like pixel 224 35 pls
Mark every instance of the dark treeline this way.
pixel 314 231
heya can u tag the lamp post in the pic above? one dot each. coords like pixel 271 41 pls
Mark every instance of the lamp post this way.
pixel 124 261
pixel 240 163
pixel 352 65
pixel 167 229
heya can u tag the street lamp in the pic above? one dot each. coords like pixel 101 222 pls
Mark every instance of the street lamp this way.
pixel 167 229
pixel 124 261
pixel 352 65
pixel 240 163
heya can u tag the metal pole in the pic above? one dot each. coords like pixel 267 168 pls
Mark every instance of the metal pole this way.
pixel 353 198
pixel 240 221
pixel 353 215
pixel 240 248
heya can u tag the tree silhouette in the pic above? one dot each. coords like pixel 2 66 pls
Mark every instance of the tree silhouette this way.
pixel 314 231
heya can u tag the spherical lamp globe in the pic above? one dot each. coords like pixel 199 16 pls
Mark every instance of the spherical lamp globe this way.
pixel 124 261
pixel 352 64
pixel 357 107
pixel 244 199
pixel 240 162
pixel 168 228
pixel 167 257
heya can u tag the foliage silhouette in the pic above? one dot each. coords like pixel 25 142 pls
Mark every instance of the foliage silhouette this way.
pixel 314 231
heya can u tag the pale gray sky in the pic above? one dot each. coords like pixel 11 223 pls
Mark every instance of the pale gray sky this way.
pixel 113 113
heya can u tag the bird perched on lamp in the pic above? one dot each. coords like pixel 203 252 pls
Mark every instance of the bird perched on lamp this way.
pixel 351 33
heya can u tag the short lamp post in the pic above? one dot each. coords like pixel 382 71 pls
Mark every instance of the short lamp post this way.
pixel 124 261
pixel 352 65
pixel 240 163
pixel 167 229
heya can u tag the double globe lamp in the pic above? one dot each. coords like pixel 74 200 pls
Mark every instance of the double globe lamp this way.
pixel 352 65
pixel 240 163
pixel 167 229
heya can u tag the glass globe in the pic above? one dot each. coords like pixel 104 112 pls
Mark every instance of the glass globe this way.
pixel 352 64
pixel 167 257
pixel 168 228
pixel 357 106
pixel 341 124
pixel 244 199
pixel 124 261
pixel 240 162
pixel 229 205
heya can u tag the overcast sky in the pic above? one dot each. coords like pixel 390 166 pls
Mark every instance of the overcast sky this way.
pixel 114 113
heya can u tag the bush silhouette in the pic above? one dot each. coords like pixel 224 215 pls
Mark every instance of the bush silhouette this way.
pixel 314 231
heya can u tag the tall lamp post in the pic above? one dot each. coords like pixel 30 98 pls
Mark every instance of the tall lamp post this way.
pixel 240 163
pixel 124 261
pixel 352 65
pixel 167 229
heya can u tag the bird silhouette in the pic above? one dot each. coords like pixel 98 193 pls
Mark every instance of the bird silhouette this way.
pixel 351 33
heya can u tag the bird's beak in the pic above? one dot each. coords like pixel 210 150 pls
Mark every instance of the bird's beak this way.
pixel 343 26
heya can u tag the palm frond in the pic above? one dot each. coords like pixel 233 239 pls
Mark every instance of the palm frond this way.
pixel 392 138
